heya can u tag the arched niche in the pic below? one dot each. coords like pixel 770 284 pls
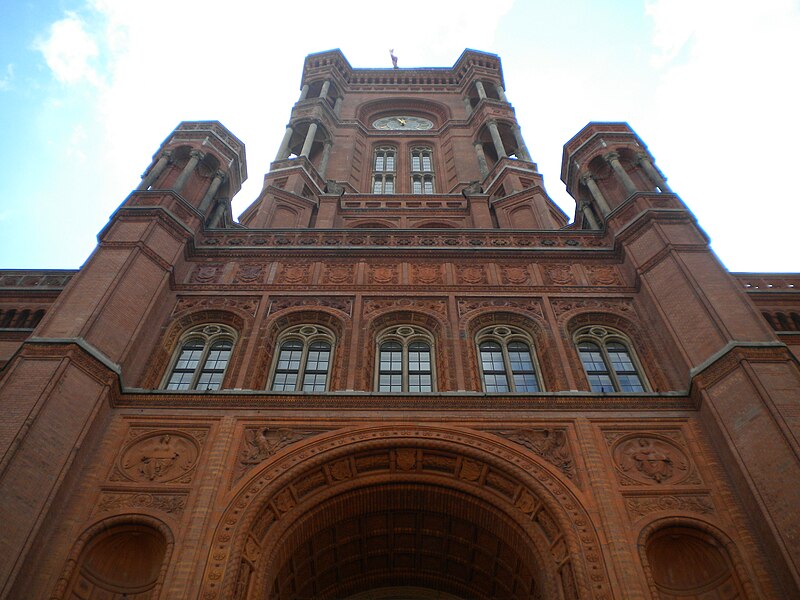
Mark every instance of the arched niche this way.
pixel 123 557
pixel 502 522
pixel 685 562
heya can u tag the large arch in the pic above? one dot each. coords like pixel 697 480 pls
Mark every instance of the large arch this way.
pixel 366 507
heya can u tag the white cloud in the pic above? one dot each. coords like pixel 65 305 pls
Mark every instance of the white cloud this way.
pixel 69 50
pixel 5 81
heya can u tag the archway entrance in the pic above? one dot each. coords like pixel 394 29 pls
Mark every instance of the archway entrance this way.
pixel 382 513
pixel 441 542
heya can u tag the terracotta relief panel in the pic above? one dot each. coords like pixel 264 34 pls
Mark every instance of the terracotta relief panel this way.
pixel 559 275
pixel 294 273
pixel 372 305
pixel 426 274
pixel 471 275
pixel 207 273
pixel 657 458
pixel 603 275
pixel 383 274
pixel 515 275
pixel 125 501
pixel 344 305
pixel 248 304
pixel 153 455
pixel 550 444
pixel 642 505
pixel 338 274
pixel 260 443
pixel 250 273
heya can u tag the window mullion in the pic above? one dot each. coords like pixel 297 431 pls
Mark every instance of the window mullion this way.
pixel 198 370
pixel 507 365
pixel 301 370
pixel 612 372
pixel 405 376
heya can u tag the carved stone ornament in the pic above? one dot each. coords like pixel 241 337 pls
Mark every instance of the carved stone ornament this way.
pixel 427 274
pixel 559 274
pixel 169 503
pixel 298 273
pixel 473 275
pixel 159 457
pixel 603 275
pixel 260 443
pixel 338 274
pixel 651 460
pixel 244 303
pixel 383 274
pixel 639 506
pixel 515 275
pixel 249 273
pixel 550 444
pixel 344 305
pixel 206 273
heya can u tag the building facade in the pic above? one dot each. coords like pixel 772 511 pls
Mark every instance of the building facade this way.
pixel 404 372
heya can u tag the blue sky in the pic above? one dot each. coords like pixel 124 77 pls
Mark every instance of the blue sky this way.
pixel 88 90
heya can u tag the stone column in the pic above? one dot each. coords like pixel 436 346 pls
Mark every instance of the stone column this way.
pixel 484 167
pixel 653 173
pixel 156 171
pixel 467 106
pixel 326 152
pixel 498 142
pixel 590 183
pixel 283 151
pixel 337 106
pixel 195 157
pixel 612 158
pixel 501 93
pixel 303 92
pixel 325 87
pixel 219 212
pixel 522 149
pixel 587 212
pixel 310 135
pixel 219 177
pixel 481 89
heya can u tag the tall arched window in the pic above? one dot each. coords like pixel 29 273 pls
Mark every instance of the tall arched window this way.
pixel 609 363
pixel 405 360
pixel 201 359
pixel 422 171
pixel 384 170
pixel 303 360
pixel 507 361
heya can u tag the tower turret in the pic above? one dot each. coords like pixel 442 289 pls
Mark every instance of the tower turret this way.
pixel 603 165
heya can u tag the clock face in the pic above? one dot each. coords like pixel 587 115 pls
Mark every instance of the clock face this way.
pixel 402 123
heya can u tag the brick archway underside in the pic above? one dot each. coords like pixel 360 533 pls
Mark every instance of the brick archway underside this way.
pixel 404 535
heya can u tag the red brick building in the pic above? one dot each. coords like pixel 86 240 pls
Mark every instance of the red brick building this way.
pixel 401 374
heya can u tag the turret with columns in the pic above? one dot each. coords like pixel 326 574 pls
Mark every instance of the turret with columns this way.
pixel 604 165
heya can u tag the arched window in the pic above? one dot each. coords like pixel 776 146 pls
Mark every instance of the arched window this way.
pixel 609 363
pixel 303 360
pixel 507 362
pixel 384 170
pixel 405 360
pixel 202 358
pixel 422 171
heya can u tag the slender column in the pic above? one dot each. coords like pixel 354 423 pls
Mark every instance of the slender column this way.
pixel 283 151
pixel 481 159
pixel 501 93
pixel 310 135
pixel 467 106
pixel 481 89
pixel 219 212
pixel 219 177
pixel 337 106
pixel 522 149
pixel 326 152
pixel 498 142
pixel 195 155
pixel 325 87
pixel 653 173
pixel 612 158
pixel 587 212
pixel 156 171
pixel 303 92
pixel 590 183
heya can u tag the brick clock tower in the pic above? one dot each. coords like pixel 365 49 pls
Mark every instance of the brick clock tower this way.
pixel 402 373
